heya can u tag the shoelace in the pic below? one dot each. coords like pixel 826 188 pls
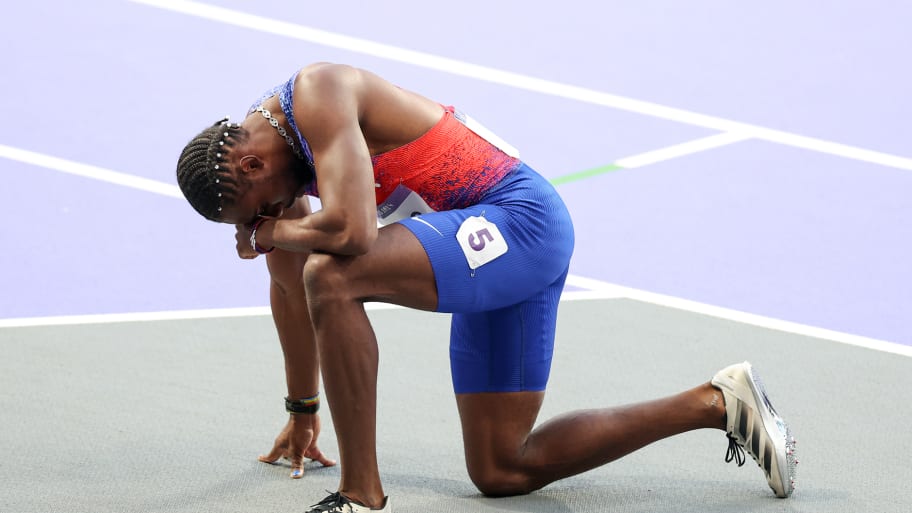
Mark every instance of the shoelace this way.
pixel 334 502
pixel 735 451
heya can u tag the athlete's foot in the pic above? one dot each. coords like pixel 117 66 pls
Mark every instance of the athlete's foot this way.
pixel 753 425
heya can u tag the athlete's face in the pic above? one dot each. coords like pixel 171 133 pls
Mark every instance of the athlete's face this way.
pixel 265 192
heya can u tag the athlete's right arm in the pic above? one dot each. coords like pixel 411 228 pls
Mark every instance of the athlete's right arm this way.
pixel 326 109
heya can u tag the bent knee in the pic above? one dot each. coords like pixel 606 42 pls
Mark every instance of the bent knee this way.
pixel 325 277
pixel 500 482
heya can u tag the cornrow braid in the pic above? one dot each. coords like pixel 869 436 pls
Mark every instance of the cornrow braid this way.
pixel 202 170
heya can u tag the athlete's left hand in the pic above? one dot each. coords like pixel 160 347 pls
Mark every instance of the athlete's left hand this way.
pixel 242 239
pixel 298 441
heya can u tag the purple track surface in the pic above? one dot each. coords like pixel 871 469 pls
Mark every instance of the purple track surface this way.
pixel 757 226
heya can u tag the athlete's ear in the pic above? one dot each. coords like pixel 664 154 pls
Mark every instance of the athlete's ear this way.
pixel 251 164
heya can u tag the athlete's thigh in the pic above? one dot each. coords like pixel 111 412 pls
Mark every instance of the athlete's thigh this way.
pixel 482 258
pixel 395 270
pixel 506 350
pixel 424 262
pixel 499 252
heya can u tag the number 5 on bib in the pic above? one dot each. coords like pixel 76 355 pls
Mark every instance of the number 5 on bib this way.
pixel 481 241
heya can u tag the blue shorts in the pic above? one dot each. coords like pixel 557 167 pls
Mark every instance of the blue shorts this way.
pixel 500 267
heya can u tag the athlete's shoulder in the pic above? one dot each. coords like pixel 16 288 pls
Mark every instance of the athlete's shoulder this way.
pixel 326 95
pixel 342 90
pixel 327 76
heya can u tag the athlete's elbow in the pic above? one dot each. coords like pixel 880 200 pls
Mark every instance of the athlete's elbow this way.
pixel 348 232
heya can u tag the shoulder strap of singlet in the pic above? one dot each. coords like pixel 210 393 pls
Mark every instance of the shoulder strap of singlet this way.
pixel 265 96
pixel 285 92
pixel 286 100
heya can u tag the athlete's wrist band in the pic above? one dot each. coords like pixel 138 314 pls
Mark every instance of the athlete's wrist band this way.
pixel 306 406
pixel 253 243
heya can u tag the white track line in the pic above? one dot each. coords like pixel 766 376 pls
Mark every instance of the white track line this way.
pixel 493 75
pixel 598 290
pixel 177 315
pixel 612 290
pixel 172 315
pixel 681 150
pixel 85 170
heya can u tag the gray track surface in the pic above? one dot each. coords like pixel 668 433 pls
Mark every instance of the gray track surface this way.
pixel 170 416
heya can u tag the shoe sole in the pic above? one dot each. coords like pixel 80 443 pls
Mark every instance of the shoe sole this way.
pixel 779 433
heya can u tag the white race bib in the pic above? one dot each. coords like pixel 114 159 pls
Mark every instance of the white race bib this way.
pixel 481 241
pixel 400 204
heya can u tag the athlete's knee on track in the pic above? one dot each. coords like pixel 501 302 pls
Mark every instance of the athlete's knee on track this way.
pixel 500 479
pixel 499 467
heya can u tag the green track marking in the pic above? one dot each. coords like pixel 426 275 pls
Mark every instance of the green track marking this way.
pixel 582 175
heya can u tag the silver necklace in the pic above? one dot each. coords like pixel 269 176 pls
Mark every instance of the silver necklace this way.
pixel 275 124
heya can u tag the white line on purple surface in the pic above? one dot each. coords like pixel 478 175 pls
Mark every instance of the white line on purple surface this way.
pixel 89 171
pixel 519 81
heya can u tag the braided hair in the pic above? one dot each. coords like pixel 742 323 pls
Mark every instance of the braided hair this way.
pixel 203 174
